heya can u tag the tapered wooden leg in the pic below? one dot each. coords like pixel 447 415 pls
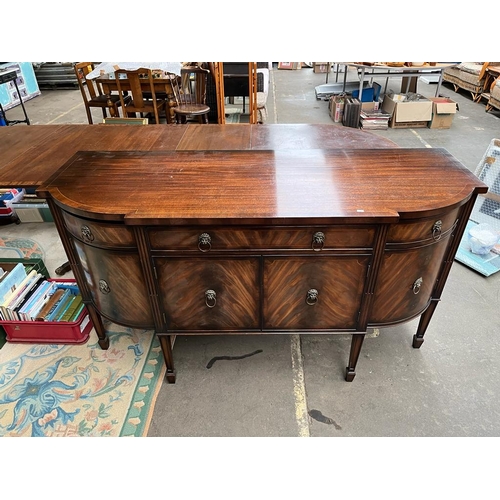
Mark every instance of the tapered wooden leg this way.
pixel 99 327
pixel 166 348
pixel 356 343
pixel 425 319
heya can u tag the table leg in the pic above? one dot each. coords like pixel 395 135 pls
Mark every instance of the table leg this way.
pixel 438 88
pixel 26 120
pixel 361 84
pixel 166 348
pixel 110 105
pixel 356 343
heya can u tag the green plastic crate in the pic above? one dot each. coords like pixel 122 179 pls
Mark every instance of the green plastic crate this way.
pixel 30 264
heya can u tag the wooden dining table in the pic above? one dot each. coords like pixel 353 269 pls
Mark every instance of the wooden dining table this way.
pixel 162 88
pixel 30 155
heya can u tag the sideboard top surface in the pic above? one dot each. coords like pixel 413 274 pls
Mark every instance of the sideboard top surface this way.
pixel 260 186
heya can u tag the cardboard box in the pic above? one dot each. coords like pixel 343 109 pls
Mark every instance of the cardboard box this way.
pixel 321 67
pixel 443 111
pixel 404 112
pixel 370 106
pixel 289 65
pixel 336 107
pixel 394 124
pixel 33 211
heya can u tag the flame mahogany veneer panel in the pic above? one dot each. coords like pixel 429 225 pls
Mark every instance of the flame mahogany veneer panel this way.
pixel 127 301
pixel 394 298
pixel 235 282
pixel 339 282
pixel 263 238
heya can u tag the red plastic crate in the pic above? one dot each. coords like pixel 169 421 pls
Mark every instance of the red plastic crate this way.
pixel 50 332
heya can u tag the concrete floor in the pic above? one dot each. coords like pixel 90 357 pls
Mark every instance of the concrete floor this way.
pixel 293 385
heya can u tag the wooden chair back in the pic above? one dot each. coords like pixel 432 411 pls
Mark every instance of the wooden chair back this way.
pixel 140 84
pixel 90 89
pixel 190 92
pixel 191 88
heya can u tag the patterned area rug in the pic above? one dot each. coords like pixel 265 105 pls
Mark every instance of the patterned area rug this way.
pixel 20 247
pixel 81 390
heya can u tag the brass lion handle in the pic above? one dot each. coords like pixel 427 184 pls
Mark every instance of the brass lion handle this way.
pixel 210 298
pixel 87 233
pixel 437 230
pixel 318 241
pixel 417 284
pixel 104 287
pixel 312 297
pixel 204 242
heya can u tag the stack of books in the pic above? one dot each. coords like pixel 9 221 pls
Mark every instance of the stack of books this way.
pixel 31 297
pixel 374 120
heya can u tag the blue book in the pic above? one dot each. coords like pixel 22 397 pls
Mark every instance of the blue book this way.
pixel 65 307
pixel 9 284
pixel 60 304
pixel 19 294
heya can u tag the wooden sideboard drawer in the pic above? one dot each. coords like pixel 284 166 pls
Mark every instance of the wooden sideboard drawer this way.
pixel 313 293
pixel 306 238
pixel 99 233
pixel 431 229
pixel 209 294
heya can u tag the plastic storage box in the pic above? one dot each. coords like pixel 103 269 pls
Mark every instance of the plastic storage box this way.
pixel 50 332
pixel 9 263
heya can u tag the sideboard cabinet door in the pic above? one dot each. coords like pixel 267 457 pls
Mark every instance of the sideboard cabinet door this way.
pixel 209 293
pixel 117 286
pixel 313 292
pixel 406 281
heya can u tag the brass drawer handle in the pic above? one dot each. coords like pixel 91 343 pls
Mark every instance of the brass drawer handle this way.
pixel 204 242
pixel 312 297
pixel 318 241
pixel 417 285
pixel 104 287
pixel 87 234
pixel 436 230
pixel 210 298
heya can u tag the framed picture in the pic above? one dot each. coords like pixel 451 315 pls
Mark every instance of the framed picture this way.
pixel 285 65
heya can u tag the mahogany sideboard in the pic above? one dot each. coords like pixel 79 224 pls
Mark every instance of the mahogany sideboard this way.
pixel 260 241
